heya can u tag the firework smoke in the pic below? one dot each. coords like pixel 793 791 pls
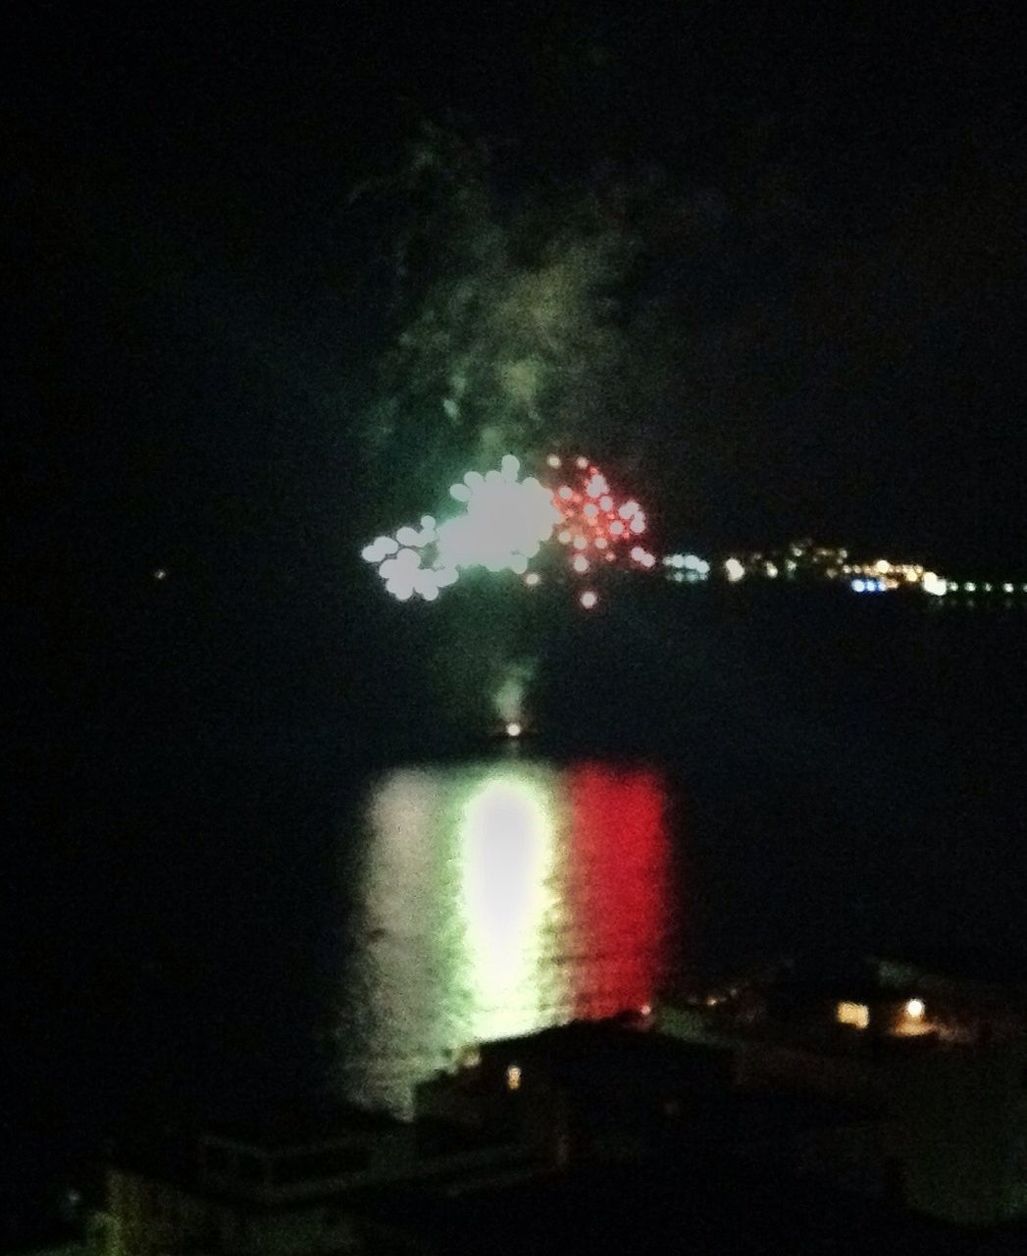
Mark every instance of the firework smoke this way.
pixel 505 315
pixel 509 698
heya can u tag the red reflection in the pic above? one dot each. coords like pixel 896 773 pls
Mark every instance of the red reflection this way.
pixel 620 877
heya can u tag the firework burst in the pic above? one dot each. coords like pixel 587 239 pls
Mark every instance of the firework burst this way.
pixel 596 526
pixel 506 522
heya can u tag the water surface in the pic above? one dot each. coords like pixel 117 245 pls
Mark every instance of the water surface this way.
pixel 491 899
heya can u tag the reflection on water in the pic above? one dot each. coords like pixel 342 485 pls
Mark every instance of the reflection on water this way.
pixel 493 899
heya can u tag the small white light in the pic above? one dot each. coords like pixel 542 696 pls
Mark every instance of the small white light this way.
pixel 513 729
pixel 160 573
pixel 915 1009
pixel 588 599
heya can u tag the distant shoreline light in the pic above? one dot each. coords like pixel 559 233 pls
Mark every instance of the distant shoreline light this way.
pixel 805 562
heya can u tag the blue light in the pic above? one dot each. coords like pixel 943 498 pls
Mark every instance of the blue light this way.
pixel 859 586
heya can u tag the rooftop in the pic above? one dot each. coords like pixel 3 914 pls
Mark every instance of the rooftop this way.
pixel 171 1152
pixel 705 1204
pixel 302 1125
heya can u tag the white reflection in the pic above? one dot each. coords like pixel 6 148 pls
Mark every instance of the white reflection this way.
pixel 506 854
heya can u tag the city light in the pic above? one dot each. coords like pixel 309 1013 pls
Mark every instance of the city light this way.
pixel 855 1014
pixel 832 564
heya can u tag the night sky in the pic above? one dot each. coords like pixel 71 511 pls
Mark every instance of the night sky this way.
pixel 808 322
pixel 804 318
pixel 827 286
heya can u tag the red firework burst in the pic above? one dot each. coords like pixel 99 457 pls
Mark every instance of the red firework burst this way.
pixel 596 525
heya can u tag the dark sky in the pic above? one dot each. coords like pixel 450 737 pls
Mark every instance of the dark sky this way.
pixel 839 326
